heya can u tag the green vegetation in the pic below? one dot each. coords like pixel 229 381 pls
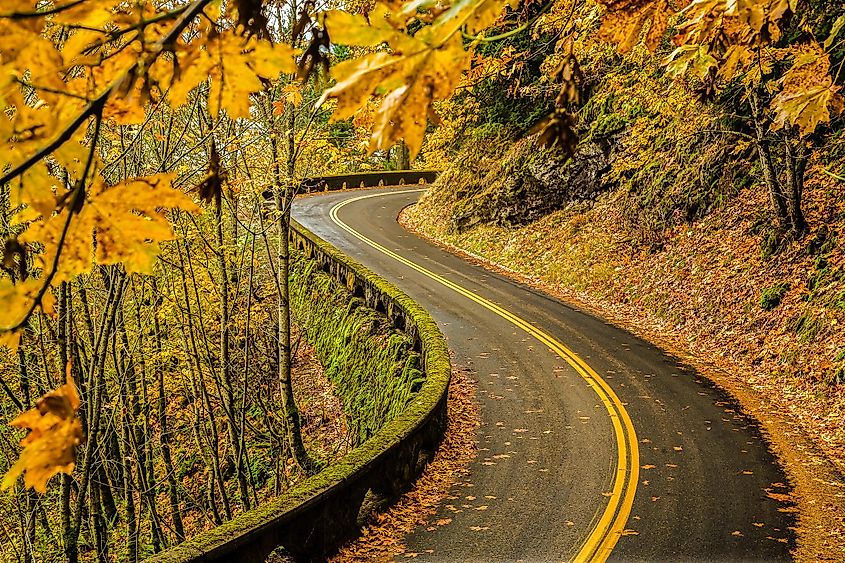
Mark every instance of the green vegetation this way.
pixel 402 418
pixel 374 369
pixel 772 296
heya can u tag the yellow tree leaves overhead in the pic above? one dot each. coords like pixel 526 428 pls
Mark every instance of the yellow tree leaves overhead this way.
pixel 115 224
pixel 402 68
pixel 68 69
pixel 407 72
pixel 54 434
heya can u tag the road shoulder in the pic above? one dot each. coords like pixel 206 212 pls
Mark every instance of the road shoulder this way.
pixel 818 487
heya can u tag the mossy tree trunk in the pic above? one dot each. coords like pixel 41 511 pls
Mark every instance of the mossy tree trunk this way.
pixel 786 189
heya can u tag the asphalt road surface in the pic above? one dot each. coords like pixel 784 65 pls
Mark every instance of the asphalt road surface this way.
pixel 594 444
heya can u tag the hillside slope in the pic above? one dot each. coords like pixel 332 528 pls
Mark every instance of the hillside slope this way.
pixel 768 327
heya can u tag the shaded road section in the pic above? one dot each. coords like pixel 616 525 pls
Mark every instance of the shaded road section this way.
pixel 549 473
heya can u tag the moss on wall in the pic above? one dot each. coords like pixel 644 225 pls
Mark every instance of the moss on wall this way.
pixel 373 366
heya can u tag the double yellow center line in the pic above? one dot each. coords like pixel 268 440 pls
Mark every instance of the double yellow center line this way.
pixel 607 528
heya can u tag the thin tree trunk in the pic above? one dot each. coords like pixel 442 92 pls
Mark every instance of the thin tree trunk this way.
pixel 164 437
pixel 403 157
pixel 284 196
pixel 770 177
pixel 796 165
pixel 226 360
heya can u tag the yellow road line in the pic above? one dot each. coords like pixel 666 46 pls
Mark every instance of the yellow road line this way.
pixel 602 538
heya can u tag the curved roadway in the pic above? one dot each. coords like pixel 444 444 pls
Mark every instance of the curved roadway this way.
pixel 593 443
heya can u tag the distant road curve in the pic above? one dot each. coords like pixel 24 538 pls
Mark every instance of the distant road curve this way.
pixel 593 444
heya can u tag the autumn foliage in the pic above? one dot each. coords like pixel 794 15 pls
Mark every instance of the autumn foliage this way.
pixel 96 174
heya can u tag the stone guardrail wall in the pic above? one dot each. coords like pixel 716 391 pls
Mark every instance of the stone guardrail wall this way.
pixel 313 518
pixel 368 180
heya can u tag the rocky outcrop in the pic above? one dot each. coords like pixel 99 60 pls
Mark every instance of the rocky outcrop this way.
pixel 529 183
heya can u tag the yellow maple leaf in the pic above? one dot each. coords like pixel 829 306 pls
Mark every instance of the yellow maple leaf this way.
pixel 293 94
pixel 353 29
pixel 624 20
pixel 17 298
pixel 472 15
pixel 130 221
pixel 35 188
pixel 808 94
pixel 416 72
pixel 54 434
pixel 237 69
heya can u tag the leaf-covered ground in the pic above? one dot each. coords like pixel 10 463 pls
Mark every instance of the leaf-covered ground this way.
pixel 764 319
pixel 382 539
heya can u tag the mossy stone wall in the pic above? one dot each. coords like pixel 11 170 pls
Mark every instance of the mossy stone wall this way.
pixel 372 364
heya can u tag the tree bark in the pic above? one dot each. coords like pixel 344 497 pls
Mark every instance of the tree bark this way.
pixel 770 177
pixel 796 165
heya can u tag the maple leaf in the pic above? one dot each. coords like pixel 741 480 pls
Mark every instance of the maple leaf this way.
pixel 293 94
pixel 129 222
pixel 808 93
pixel 686 58
pixel 474 15
pixel 624 20
pixel 356 30
pixel 808 108
pixel 235 67
pixel 736 58
pixel 35 189
pixel 416 72
pixel 54 434
pixel 741 22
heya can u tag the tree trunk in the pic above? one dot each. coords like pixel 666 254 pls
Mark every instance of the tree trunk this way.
pixel 284 193
pixel 403 156
pixel 796 165
pixel 164 437
pixel 770 177
pixel 225 358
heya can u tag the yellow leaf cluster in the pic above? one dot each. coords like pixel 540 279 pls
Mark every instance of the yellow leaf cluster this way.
pixel 808 94
pixel 409 76
pixel 624 20
pixel 234 67
pixel 54 434
pixel 123 223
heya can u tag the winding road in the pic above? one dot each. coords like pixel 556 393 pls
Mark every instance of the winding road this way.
pixel 594 444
